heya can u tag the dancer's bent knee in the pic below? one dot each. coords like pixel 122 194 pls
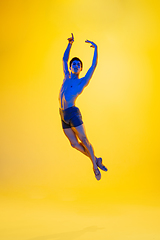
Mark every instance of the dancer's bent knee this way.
pixel 74 145
pixel 85 141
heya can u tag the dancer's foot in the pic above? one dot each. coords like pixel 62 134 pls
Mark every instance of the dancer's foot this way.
pixel 100 165
pixel 97 173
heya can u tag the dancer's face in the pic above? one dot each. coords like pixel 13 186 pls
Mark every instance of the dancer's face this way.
pixel 76 67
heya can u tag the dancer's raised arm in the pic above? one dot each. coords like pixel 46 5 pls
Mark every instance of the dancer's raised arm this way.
pixel 66 55
pixel 90 72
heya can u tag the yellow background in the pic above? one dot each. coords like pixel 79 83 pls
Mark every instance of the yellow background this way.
pixel 48 189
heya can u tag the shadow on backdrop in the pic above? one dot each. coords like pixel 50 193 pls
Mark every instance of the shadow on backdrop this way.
pixel 68 235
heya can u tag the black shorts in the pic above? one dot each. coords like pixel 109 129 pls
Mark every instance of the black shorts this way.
pixel 71 117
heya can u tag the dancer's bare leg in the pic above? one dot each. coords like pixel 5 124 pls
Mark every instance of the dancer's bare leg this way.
pixel 80 132
pixel 75 143
pixel 70 134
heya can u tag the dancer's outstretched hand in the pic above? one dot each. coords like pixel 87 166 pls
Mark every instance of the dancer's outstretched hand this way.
pixel 92 43
pixel 71 40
